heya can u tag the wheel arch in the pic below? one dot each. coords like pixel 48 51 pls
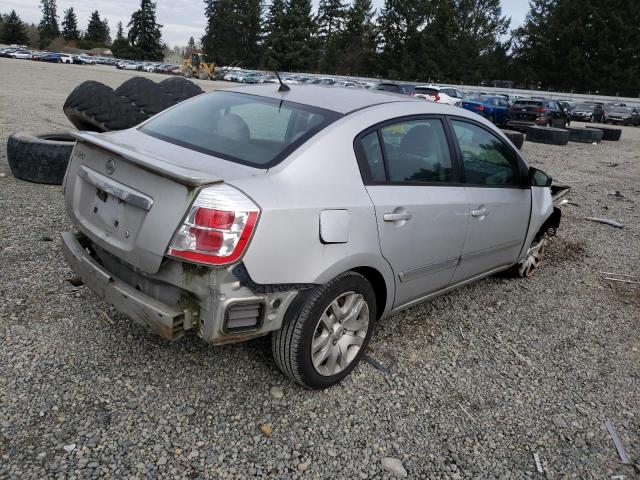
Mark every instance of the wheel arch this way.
pixel 380 288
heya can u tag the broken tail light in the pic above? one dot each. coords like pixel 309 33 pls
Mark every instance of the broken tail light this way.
pixel 217 228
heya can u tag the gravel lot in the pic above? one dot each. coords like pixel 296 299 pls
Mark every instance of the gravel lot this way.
pixel 485 377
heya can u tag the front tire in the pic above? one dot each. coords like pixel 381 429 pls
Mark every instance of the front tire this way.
pixel 326 331
pixel 533 260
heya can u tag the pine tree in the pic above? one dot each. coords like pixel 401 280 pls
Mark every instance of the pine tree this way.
pixel 248 14
pixel 219 40
pixel 299 34
pixel 97 32
pixel 274 32
pixel 191 47
pixel 48 27
pixel 357 49
pixel 107 32
pixel 120 32
pixel 330 23
pixel 12 29
pixel 70 25
pixel 144 32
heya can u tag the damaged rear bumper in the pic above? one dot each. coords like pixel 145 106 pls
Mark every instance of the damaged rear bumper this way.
pixel 163 319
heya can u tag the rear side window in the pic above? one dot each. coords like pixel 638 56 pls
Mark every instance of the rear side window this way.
pixel 417 152
pixel 373 154
pixel 486 159
pixel 247 129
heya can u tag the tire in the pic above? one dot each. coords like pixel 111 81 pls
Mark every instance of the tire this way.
pixel 585 135
pixel 96 107
pixel 145 95
pixel 41 158
pixel 550 136
pixel 180 89
pixel 292 344
pixel 517 138
pixel 188 73
pixel 609 134
pixel 533 260
pixel 203 74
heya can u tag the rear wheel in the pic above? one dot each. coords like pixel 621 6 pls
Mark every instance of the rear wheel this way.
pixel 326 331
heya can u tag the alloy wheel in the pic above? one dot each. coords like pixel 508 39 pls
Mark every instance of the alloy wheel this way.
pixel 339 333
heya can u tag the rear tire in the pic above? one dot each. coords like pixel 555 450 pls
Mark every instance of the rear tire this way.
pixel 41 158
pixel 305 329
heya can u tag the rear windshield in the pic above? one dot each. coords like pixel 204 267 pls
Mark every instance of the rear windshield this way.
pixel 584 106
pixel 247 129
pixel 428 91
pixel 528 103
pixel 621 110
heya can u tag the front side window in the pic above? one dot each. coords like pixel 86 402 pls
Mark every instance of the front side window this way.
pixel 248 129
pixel 486 159
pixel 417 152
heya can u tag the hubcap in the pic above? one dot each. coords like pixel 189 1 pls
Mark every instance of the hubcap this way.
pixel 339 333
pixel 533 259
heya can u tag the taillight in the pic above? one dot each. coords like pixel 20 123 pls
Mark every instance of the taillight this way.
pixel 538 110
pixel 218 227
pixel 437 98
pixel 478 107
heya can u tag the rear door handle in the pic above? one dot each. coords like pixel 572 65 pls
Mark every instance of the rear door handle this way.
pixel 395 217
pixel 480 213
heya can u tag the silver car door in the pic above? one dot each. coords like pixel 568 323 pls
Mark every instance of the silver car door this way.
pixel 421 208
pixel 499 199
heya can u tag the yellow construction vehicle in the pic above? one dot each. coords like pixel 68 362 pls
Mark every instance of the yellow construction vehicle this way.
pixel 197 66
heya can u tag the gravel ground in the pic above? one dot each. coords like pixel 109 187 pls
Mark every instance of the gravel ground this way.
pixel 485 376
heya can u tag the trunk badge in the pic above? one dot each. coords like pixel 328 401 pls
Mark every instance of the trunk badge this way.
pixel 110 166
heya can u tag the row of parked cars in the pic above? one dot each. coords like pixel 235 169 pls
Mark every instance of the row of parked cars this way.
pixel 151 67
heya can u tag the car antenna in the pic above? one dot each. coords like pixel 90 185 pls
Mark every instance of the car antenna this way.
pixel 283 86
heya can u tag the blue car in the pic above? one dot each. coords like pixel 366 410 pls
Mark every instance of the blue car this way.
pixel 494 109
pixel 51 57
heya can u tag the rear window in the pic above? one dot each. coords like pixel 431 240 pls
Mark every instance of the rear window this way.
pixel 527 103
pixel 621 110
pixel 247 129
pixel 427 91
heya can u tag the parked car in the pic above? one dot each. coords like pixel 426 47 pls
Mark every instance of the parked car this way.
pixel 587 112
pixel 230 216
pixel 21 54
pixel 323 81
pixel 64 58
pixel 622 116
pixel 494 109
pixel 51 58
pixel 402 88
pixel 540 112
pixel 448 95
pixel 347 84
pixel 83 60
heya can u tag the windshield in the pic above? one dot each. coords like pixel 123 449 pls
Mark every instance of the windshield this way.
pixel 247 129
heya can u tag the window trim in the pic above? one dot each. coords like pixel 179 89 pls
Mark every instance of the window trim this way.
pixel 522 168
pixel 363 164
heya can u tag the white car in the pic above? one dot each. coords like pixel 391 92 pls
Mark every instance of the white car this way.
pixel 448 95
pixel 344 83
pixel 66 58
pixel 151 67
pixel 21 54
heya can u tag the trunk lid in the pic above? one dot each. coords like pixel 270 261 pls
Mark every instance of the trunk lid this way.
pixel 128 192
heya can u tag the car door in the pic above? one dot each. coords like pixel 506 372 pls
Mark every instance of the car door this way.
pixel 499 198
pixel 421 206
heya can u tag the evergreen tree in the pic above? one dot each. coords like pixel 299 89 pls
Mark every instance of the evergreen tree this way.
pixel 191 48
pixel 48 27
pixel 70 25
pixel 12 29
pixel 120 32
pixel 299 34
pixel 274 32
pixel 248 14
pixel 144 32
pixel 97 32
pixel 330 24
pixel 358 41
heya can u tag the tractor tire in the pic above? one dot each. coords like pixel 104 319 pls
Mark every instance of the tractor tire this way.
pixel 145 95
pixel 179 89
pixel 585 135
pixel 517 138
pixel 41 158
pixel 96 107
pixel 609 134
pixel 203 75
pixel 550 136
pixel 188 73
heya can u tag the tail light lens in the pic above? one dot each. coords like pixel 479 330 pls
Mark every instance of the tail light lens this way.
pixel 218 227
pixel 478 107
pixel 437 98
pixel 538 110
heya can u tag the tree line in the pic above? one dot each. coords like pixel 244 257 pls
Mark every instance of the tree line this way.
pixel 567 45
pixel 143 40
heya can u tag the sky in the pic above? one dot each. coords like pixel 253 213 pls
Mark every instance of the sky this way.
pixel 180 18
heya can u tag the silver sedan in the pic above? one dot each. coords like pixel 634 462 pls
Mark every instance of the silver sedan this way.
pixel 307 213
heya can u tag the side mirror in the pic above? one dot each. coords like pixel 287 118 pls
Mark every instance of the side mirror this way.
pixel 537 178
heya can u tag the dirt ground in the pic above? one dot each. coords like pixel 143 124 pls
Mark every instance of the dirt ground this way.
pixel 482 380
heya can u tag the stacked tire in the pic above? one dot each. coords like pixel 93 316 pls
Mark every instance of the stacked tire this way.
pixel 93 106
pixel 585 135
pixel 609 134
pixel 548 135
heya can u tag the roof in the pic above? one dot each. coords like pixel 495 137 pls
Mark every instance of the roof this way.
pixel 341 100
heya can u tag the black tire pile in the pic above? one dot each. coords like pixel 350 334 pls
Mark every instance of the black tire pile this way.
pixel 562 136
pixel 96 107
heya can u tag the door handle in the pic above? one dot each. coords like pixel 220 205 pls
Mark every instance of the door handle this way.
pixel 396 217
pixel 483 212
